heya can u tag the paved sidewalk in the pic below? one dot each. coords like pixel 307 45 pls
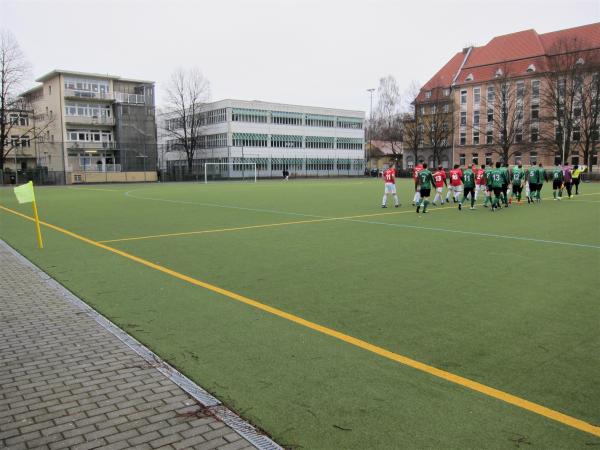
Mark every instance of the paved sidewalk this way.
pixel 67 381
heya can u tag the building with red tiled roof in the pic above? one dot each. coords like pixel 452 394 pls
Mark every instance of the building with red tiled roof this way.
pixel 516 71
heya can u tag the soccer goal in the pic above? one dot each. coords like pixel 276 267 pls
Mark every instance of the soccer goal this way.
pixel 240 171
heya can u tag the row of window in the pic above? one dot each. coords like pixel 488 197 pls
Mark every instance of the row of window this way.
pixel 204 118
pixel 20 119
pixel 87 110
pixel 474 159
pixel 86 84
pixel 206 141
pixel 20 141
pixel 89 136
pixel 290 118
pixel 291 141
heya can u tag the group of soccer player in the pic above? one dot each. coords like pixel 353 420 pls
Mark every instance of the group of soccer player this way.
pixel 498 184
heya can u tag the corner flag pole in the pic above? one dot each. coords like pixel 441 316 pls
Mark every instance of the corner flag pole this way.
pixel 25 194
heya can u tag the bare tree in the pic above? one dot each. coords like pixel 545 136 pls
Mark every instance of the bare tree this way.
pixel 14 70
pixel 590 112
pixel 505 107
pixel 186 92
pixel 438 124
pixel 388 123
pixel 564 95
pixel 412 126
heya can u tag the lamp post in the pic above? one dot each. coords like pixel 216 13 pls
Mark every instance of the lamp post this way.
pixel 370 90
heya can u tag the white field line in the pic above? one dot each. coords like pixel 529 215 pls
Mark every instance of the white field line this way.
pixel 370 222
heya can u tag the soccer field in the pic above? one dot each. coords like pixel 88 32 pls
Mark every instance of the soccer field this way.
pixel 332 323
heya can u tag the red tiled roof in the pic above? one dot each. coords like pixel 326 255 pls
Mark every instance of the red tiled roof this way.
pixel 444 76
pixel 515 52
pixel 588 36
pixel 523 44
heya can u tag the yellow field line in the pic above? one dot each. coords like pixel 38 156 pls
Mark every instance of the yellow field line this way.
pixel 439 373
pixel 250 227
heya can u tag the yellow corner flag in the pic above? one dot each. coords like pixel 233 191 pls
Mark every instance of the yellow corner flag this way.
pixel 25 194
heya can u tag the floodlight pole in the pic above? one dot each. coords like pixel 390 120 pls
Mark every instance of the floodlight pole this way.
pixel 370 90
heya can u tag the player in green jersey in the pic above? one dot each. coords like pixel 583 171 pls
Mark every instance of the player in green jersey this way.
pixel 468 179
pixel 542 178
pixel 532 180
pixel 557 182
pixel 505 183
pixel 488 186
pixel 425 179
pixel 518 179
pixel 497 182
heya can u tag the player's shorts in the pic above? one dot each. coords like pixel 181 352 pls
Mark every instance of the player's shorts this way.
pixel 517 189
pixel 455 188
pixel 504 188
pixel 556 184
pixel 576 181
pixel 469 190
pixel 497 191
pixel 425 192
pixel 439 189
pixel 390 188
pixel 533 187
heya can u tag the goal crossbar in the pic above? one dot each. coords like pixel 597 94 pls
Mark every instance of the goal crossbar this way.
pixel 232 169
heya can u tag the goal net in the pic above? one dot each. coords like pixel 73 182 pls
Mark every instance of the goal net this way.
pixel 240 171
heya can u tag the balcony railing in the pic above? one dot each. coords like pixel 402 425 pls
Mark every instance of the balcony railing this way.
pixel 87 120
pixel 91 145
pixel 122 97
pixel 89 95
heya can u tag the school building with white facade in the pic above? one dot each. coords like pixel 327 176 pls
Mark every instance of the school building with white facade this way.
pixel 305 140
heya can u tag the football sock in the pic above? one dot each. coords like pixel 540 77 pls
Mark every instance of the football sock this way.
pixel 472 201
pixel 396 201
pixel 384 201
pixel 425 203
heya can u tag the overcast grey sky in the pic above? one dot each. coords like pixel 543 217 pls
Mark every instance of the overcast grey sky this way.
pixel 311 52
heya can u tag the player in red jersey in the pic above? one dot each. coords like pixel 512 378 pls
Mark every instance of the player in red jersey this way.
pixel 479 180
pixel 416 171
pixel 439 176
pixel 455 184
pixel 389 178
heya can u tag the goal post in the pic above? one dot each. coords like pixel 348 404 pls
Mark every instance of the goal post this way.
pixel 244 171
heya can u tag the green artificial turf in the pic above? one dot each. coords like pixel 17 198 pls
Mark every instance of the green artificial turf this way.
pixel 505 299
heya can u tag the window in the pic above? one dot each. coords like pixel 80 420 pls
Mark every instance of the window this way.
pixel 350 122
pixel 534 133
pixel 490 94
pixel 520 90
pixel 314 120
pixel 349 143
pixel 446 92
pixel 519 135
pixel 475 137
pixel 488 159
pixel 463 137
pixel 475 118
pixel 428 95
pixel 475 158
pixel 533 158
pixel 286 141
pixel 433 109
pixel 535 89
pixel 216 116
pixel 248 115
pixel 476 96
pixel 535 111
pixel 576 133
pixel 489 137
pixel 463 118
pixel 575 159
pixel 49 90
pixel 214 140
pixel 462 158
pixel 490 115
pixel 463 97
pixel 249 140
pixel 422 110
pixel 320 142
pixel 446 108
pixel 516 157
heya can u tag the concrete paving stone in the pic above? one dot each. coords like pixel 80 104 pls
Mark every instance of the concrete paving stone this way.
pixel 67 382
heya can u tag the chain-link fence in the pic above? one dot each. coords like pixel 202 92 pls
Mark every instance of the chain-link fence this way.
pixel 79 162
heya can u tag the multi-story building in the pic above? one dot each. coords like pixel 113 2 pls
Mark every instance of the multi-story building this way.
pixel 510 98
pixel 305 140
pixel 96 127
pixel 19 148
